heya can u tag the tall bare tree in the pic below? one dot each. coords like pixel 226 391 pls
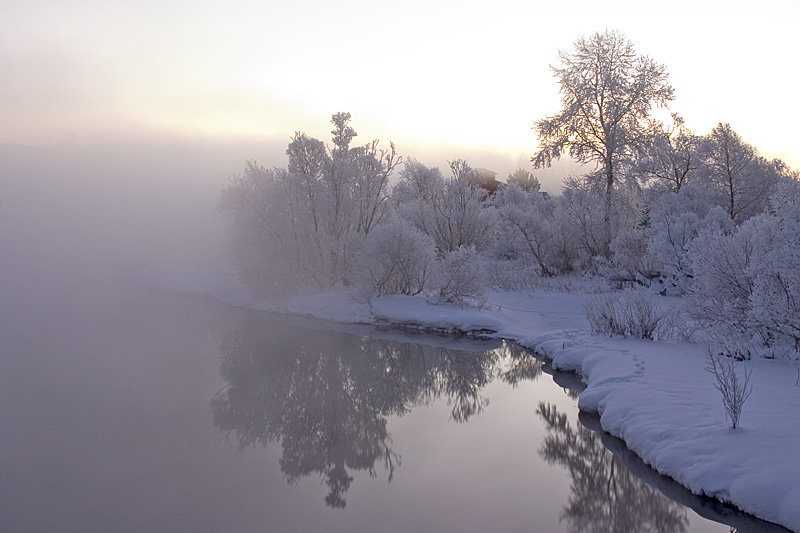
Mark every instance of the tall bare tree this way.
pixel 607 93
pixel 670 159
pixel 741 178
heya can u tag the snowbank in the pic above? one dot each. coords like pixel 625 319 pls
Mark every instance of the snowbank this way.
pixel 658 398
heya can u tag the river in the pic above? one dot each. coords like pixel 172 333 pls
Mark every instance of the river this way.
pixel 127 408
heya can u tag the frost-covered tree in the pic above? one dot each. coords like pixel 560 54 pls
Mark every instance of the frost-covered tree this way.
pixel 301 226
pixel 607 95
pixel 305 181
pixel 396 258
pixel 724 283
pixel 525 228
pixel 359 176
pixel 740 179
pixel 450 211
pixel 461 171
pixel 371 185
pixel 417 182
pixel 677 219
pixel 252 200
pixel 581 214
pixel 630 260
pixel 586 226
pixel 776 291
pixel 746 285
pixel 355 192
pixel 461 277
pixel 669 158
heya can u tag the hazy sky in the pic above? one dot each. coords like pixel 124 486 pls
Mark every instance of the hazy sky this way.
pixel 420 72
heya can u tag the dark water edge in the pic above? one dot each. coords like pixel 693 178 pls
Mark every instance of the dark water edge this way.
pixel 707 507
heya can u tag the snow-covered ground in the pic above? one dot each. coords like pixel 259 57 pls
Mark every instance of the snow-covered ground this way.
pixel 656 396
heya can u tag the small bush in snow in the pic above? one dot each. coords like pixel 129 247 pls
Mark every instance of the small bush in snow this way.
pixel 635 314
pixel 460 277
pixel 735 388
pixel 601 311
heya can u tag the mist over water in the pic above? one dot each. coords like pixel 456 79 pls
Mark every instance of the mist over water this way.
pixel 133 207
pixel 106 383
pixel 143 207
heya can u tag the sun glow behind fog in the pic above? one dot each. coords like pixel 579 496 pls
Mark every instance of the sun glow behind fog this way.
pixel 428 74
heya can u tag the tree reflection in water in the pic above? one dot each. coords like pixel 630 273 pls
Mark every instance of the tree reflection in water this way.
pixel 605 496
pixel 325 396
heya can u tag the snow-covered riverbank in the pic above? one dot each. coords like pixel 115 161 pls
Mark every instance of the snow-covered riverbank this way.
pixel 656 396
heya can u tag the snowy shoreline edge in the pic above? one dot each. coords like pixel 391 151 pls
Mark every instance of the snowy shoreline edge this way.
pixel 656 397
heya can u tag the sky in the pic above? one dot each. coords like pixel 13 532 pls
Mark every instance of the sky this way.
pixel 451 78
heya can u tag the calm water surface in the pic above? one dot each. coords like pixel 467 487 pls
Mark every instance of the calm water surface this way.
pixel 124 408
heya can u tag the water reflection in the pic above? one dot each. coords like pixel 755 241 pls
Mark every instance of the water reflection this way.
pixel 325 397
pixel 708 508
pixel 604 494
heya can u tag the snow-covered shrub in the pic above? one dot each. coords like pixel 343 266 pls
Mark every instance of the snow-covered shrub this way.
pixel 634 314
pixel 644 318
pixel 417 182
pixel 585 225
pixel 462 219
pixel 450 211
pixel 724 283
pixel 775 298
pixel 460 277
pixel 746 293
pixel 677 219
pixel 396 258
pixel 526 232
pixel 735 389
pixel 785 201
pixel 630 260
pixel 602 314
pixel 579 218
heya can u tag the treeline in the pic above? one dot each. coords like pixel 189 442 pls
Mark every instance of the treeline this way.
pixel 699 215
pixel 332 217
